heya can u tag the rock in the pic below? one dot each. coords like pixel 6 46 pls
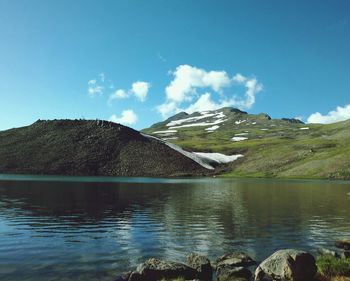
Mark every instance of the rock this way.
pixel 233 273
pixel 293 120
pixel 135 276
pixel 287 265
pixel 202 265
pixel 235 259
pixel 343 244
pixel 345 255
pixel 154 269
pixel 326 252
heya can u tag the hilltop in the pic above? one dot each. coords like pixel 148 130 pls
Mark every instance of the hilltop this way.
pixel 269 147
pixel 89 148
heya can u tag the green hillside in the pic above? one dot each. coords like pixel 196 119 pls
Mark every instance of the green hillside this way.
pixel 271 147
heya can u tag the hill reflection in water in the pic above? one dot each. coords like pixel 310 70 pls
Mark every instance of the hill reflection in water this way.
pixel 78 230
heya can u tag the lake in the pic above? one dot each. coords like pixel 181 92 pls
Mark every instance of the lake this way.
pixel 70 228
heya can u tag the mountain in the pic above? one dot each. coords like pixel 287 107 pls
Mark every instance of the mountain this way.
pixel 269 147
pixel 79 147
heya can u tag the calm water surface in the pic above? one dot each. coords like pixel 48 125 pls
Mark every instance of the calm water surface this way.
pixel 74 229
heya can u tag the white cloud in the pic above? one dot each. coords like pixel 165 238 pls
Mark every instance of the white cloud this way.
pixel 128 117
pixel 118 94
pixel 94 89
pixel 205 102
pixel 188 78
pixel 96 86
pixel 167 108
pixel 253 87
pixel 340 114
pixel 239 78
pixel 140 90
pixel 187 82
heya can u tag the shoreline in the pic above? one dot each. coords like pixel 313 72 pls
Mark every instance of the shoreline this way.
pixel 150 179
pixel 284 264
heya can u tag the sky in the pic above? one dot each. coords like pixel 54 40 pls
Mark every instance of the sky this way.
pixel 138 62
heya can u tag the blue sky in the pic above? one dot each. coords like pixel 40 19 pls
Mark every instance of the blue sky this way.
pixel 286 58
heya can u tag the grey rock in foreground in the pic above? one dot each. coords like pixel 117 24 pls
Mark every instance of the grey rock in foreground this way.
pixel 233 273
pixel 235 259
pixel 233 266
pixel 287 265
pixel 202 265
pixel 154 269
pixel 345 255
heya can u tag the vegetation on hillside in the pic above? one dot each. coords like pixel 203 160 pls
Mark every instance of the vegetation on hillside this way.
pixel 273 148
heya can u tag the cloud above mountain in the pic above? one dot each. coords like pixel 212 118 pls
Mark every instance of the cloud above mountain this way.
pixel 128 117
pixel 195 89
pixel 339 114
pixel 139 89
pixel 94 88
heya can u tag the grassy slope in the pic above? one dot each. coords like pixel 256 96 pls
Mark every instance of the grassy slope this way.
pixel 283 150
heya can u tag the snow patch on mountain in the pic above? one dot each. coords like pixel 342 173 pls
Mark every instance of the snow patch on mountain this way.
pixel 204 159
pixel 216 118
pixel 213 128
pixel 200 124
pixel 219 158
pixel 190 155
pixel 240 122
pixel 165 132
pixel 239 138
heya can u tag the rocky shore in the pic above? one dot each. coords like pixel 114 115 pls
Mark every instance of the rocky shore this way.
pixel 283 265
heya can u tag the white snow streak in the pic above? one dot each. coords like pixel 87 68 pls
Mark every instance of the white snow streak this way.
pixel 240 122
pixel 211 129
pixel 239 138
pixel 202 158
pixel 191 121
pixel 218 157
pixel 165 132
pixel 199 124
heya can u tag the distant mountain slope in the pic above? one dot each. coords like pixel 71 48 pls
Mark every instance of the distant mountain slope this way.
pixel 270 147
pixel 79 147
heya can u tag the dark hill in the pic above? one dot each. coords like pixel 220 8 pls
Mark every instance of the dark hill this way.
pixel 80 147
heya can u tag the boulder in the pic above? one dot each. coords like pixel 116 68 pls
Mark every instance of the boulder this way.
pixel 287 265
pixel 345 255
pixel 343 244
pixel 202 265
pixel 235 259
pixel 154 269
pixel 233 273
pixel 136 276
